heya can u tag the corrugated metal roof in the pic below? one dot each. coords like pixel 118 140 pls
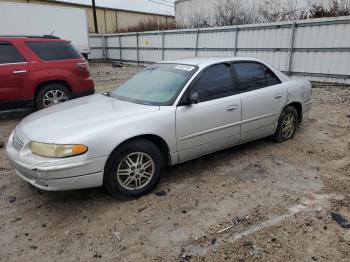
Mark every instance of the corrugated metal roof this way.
pixel 143 6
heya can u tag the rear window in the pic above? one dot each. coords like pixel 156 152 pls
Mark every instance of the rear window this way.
pixel 9 54
pixel 50 51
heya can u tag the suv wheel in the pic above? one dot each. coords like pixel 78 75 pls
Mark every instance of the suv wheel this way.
pixel 287 124
pixel 52 94
pixel 134 169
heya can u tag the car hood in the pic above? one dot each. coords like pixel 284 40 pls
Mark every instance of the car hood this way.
pixel 79 116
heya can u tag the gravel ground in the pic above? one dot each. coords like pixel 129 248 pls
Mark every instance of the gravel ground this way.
pixel 258 201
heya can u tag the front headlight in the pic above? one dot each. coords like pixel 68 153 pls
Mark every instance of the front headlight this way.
pixel 57 151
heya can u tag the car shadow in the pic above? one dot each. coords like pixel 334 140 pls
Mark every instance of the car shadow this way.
pixel 15 114
pixel 211 161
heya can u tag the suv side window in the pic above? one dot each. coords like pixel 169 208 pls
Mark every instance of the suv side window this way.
pixel 252 76
pixel 51 51
pixel 215 82
pixel 9 54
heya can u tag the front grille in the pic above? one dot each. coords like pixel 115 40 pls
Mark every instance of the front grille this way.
pixel 16 142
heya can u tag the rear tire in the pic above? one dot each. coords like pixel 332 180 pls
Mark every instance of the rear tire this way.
pixel 134 169
pixel 287 124
pixel 52 94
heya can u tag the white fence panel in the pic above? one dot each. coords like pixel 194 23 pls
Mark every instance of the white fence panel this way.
pixel 96 54
pixel 214 53
pixel 96 43
pixel 177 54
pixel 183 40
pixel 129 41
pixel 153 41
pixel 317 49
pixel 151 55
pixel 264 38
pixel 113 41
pixel 114 54
pixel 216 39
pixel 336 35
pixel 129 55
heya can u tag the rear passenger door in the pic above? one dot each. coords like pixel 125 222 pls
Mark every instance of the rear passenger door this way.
pixel 13 73
pixel 262 97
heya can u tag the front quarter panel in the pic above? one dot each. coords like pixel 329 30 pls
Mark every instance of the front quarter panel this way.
pixel 106 139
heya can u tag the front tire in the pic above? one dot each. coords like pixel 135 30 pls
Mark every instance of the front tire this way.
pixel 52 94
pixel 134 169
pixel 287 124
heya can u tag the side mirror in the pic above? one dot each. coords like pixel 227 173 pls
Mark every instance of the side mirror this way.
pixel 194 98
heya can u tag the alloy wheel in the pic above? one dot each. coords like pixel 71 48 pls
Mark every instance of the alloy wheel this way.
pixel 54 97
pixel 288 125
pixel 135 171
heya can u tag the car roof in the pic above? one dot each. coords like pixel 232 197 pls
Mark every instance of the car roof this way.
pixel 31 37
pixel 202 62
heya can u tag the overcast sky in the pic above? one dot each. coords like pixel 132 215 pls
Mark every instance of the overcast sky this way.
pixel 150 6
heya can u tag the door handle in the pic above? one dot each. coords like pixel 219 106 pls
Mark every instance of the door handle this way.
pixel 278 96
pixel 232 108
pixel 19 71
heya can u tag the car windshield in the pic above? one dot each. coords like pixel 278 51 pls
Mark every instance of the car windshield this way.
pixel 158 84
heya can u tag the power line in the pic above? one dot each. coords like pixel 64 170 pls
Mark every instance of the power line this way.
pixel 170 2
pixel 160 3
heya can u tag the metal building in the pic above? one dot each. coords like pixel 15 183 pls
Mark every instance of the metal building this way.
pixel 110 20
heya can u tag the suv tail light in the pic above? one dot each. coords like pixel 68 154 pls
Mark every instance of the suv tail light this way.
pixel 84 67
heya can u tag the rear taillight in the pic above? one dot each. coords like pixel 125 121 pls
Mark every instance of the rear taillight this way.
pixel 83 67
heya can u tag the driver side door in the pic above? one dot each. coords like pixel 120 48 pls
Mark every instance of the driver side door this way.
pixel 214 122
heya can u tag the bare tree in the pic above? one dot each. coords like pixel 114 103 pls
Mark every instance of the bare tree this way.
pixel 198 20
pixel 335 8
pixel 232 12
pixel 275 10
pixel 151 24
pixel 237 12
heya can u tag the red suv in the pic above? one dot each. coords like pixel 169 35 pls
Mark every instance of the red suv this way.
pixel 41 71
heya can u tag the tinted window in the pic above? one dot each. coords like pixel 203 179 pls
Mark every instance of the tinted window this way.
pixel 253 76
pixel 49 51
pixel 215 82
pixel 9 54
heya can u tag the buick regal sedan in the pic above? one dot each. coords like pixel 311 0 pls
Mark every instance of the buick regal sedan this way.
pixel 169 113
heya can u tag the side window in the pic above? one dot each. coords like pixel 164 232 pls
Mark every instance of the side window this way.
pixel 253 76
pixel 50 51
pixel 271 78
pixel 215 82
pixel 9 54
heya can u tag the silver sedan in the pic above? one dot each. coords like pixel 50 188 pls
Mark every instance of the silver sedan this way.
pixel 169 113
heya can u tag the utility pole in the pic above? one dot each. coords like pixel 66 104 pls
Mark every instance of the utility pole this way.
pixel 95 16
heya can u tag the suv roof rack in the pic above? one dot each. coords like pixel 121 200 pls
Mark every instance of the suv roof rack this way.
pixel 33 36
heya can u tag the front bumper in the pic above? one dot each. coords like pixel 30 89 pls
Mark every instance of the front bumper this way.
pixel 55 174
pixel 61 184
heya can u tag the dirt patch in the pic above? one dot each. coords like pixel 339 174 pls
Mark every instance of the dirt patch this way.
pixel 109 77
pixel 254 190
